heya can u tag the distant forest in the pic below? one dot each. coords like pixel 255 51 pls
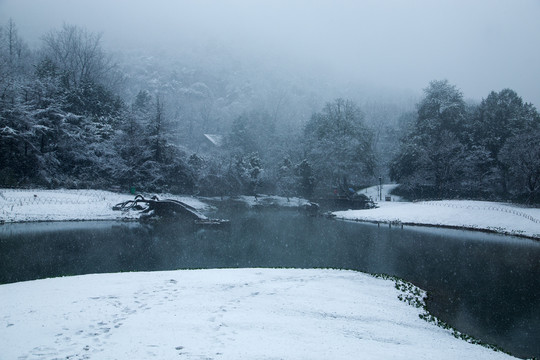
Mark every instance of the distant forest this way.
pixel 75 116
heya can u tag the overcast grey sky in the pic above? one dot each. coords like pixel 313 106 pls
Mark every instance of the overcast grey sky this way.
pixel 478 45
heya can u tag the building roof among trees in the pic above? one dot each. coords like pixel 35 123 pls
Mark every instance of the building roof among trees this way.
pixel 216 140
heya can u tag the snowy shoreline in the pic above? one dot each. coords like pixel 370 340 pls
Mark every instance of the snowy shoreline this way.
pixel 19 206
pixel 36 205
pixel 484 216
pixel 442 226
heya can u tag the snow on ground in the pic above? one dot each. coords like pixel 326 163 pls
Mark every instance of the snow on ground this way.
pixel 373 192
pixel 481 215
pixel 67 205
pixel 220 314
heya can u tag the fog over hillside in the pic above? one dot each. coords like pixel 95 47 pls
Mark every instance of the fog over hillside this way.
pixel 400 45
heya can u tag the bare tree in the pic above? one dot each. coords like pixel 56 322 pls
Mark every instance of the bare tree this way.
pixel 78 54
pixel 15 60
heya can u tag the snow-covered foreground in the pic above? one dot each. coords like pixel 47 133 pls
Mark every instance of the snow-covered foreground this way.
pixel 69 205
pixel 220 314
pixel 480 215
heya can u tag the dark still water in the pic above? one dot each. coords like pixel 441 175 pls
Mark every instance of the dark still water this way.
pixel 485 285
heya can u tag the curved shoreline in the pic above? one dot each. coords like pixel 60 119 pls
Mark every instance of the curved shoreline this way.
pixel 390 223
pixel 472 215
pixel 442 226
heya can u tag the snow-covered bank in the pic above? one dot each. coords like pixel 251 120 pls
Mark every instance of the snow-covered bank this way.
pixel 220 314
pixel 20 205
pixel 69 205
pixel 477 215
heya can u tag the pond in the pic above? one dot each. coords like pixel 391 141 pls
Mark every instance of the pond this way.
pixel 485 285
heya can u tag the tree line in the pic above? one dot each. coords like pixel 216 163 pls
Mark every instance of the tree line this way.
pixel 68 119
pixel 487 151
